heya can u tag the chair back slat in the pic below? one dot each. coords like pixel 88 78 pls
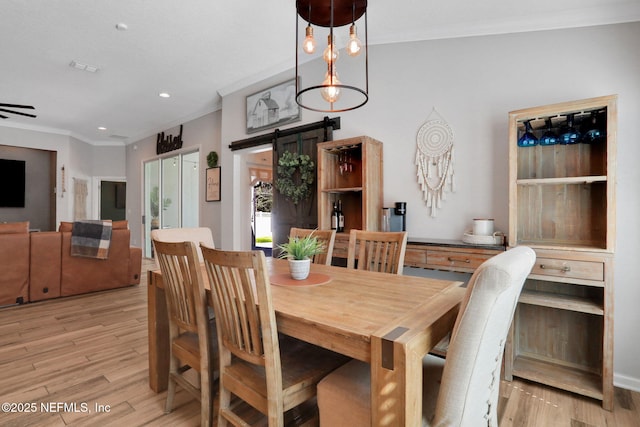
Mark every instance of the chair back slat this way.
pixel 326 237
pixel 180 281
pixel 239 287
pixel 377 251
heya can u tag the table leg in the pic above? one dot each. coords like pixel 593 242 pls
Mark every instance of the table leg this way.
pixel 158 324
pixel 396 360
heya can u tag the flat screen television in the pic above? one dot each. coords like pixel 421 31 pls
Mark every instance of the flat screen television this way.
pixel 12 183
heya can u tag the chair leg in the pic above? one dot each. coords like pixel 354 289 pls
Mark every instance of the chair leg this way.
pixel 206 402
pixel 224 401
pixel 171 387
pixel 171 391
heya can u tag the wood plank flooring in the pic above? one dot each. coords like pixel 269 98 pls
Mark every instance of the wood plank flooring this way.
pixel 90 353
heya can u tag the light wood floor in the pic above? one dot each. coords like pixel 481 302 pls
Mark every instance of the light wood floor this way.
pixel 92 350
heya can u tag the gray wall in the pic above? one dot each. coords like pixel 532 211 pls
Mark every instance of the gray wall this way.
pixel 473 83
pixel 202 133
pixel 79 159
pixel 37 206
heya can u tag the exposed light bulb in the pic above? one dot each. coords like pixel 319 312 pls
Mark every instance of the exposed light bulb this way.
pixel 354 45
pixel 330 92
pixel 330 53
pixel 309 43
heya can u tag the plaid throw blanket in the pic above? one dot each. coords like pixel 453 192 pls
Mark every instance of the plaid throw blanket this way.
pixel 91 239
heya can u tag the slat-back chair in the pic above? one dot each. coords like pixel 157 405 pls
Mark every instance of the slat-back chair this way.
pixel 381 251
pixel 326 237
pixel 193 338
pixel 272 374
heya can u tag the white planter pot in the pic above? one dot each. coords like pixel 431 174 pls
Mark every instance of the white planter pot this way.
pixel 299 268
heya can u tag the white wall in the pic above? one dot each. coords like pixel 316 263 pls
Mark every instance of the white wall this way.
pixel 474 83
pixel 80 160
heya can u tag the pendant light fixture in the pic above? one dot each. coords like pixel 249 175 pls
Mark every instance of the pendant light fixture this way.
pixel 317 85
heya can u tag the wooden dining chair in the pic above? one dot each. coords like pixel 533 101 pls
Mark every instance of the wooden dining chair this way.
pixel 271 373
pixel 381 251
pixel 192 335
pixel 326 237
pixel 461 390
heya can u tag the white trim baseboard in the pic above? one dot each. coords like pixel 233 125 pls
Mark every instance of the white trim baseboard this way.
pixel 629 383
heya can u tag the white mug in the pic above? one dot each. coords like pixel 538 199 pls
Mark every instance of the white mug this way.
pixel 482 227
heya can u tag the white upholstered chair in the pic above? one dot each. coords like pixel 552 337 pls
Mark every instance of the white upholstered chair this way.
pixel 196 235
pixel 463 390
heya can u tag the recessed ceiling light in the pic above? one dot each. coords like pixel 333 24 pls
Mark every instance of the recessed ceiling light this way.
pixel 84 67
pixel 164 95
pixel 121 26
pixel 102 128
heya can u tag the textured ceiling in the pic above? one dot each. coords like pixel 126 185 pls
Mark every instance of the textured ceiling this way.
pixel 197 50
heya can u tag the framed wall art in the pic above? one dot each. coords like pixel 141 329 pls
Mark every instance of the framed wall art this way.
pixel 272 107
pixel 213 185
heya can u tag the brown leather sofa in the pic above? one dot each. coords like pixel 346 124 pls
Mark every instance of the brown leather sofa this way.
pixel 14 263
pixel 52 272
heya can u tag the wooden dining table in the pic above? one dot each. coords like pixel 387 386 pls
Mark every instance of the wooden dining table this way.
pixel 390 321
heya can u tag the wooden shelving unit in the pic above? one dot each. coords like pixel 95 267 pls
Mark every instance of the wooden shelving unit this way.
pixel 562 204
pixel 359 187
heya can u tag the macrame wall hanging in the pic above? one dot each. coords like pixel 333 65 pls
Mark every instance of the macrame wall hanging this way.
pixel 434 158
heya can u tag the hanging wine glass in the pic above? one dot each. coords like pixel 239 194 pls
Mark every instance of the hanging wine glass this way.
pixel 548 137
pixel 528 139
pixel 344 163
pixel 570 134
pixel 593 131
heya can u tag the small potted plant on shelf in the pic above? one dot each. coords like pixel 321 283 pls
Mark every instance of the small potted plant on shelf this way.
pixel 299 251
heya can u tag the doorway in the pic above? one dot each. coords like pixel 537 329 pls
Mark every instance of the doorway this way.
pixel 260 171
pixel 171 194
pixel 113 200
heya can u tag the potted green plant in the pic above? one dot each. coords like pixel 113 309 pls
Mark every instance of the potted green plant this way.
pixel 212 159
pixel 299 251
pixel 154 206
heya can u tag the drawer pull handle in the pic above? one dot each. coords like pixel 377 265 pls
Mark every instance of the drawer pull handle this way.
pixel 564 269
pixel 465 260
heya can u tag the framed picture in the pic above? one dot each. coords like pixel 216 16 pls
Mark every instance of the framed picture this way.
pixel 213 185
pixel 272 107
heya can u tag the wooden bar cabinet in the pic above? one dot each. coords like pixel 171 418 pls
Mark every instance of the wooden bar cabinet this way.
pixel 562 204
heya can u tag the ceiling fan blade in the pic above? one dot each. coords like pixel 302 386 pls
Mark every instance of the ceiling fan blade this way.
pixel 30 107
pixel 17 112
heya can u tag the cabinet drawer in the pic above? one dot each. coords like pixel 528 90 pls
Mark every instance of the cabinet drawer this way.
pixel 588 270
pixel 415 256
pixel 463 261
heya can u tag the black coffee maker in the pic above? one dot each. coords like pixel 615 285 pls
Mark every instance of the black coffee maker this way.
pixel 398 221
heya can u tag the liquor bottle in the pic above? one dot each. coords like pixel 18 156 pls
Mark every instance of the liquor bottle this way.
pixel 340 217
pixel 334 217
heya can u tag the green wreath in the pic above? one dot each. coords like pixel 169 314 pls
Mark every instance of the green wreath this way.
pixel 298 188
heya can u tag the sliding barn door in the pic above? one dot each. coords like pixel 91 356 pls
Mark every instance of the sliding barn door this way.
pixel 285 214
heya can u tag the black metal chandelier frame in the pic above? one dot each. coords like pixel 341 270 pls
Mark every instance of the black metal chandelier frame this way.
pixel 332 14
